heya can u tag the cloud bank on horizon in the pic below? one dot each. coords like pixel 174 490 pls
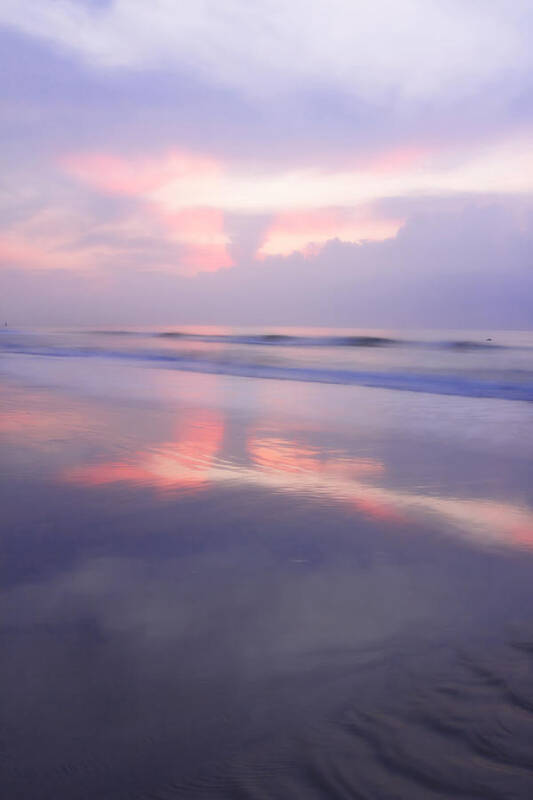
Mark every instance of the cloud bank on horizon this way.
pixel 321 162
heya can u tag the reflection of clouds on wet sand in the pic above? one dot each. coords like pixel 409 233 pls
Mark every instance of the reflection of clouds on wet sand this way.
pixel 30 417
pixel 286 464
pixel 197 457
pixel 291 456
pixel 210 666
pixel 172 659
pixel 247 611
pixel 90 444
pixel 159 637
pixel 184 462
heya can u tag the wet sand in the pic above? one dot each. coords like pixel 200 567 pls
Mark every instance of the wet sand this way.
pixel 218 587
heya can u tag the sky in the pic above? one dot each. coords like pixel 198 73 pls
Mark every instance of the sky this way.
pixel 327 162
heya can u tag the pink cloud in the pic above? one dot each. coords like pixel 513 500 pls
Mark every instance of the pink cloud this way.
pixel 198 231
pixel 17 251
pixel 305 229
pixel 201 233
pixel 198 224
pixel 137 176
pixel 397 159
pixel 205 258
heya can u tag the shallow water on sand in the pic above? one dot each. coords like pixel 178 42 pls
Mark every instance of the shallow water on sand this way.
pixel 223 587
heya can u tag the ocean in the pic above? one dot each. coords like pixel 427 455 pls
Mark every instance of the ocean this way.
pixel 472 364
pixel 266 563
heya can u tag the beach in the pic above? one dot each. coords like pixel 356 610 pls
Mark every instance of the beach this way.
pixel 266 564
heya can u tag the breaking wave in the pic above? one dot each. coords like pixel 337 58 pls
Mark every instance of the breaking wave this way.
pixel 508 384
pixel 280 340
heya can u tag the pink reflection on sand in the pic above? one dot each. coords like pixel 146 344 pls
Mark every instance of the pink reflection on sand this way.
pixel 27 422
pixel 191 460
pixel 28 418
pixel 283 455
pixel 183 463
pixel 289 456
pixel 303 468
pixel 289 465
